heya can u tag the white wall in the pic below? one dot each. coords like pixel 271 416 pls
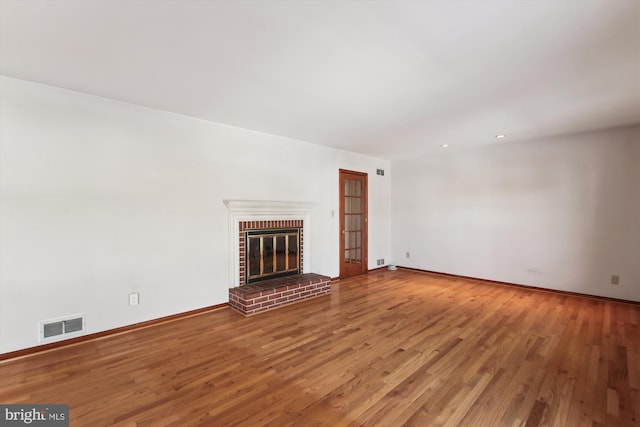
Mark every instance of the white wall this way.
pixel 561 213
pixel 100 198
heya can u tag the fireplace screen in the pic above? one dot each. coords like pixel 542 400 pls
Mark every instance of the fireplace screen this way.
pixel 272 253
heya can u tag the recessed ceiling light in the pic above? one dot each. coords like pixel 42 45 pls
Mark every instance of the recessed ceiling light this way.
pixel 500 136
pixel 444 145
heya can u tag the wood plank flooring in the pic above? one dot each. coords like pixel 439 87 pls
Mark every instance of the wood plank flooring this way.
pixel 384 349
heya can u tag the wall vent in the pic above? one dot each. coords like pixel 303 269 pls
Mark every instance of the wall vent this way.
pixel 62 328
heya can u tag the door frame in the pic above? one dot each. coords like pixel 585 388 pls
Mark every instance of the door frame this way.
pixel 364 265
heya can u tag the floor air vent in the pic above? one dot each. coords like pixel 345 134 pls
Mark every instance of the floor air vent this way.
pixel 62 327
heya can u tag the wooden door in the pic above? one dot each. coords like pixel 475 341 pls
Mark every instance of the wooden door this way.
pixel 353 223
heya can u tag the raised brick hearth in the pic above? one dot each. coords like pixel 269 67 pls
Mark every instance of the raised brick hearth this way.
pixel 269 294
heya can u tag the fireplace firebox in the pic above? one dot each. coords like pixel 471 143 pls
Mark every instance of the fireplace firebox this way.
pixel 260 234
pixel 271 253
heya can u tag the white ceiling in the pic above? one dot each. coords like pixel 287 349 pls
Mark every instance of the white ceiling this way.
pixel 385 78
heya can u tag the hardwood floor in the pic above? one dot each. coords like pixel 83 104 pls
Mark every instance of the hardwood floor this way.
pixel 384 349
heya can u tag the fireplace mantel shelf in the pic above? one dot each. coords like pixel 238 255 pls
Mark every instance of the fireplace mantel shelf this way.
pixel 267 206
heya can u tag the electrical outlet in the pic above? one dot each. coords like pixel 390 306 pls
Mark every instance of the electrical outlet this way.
pixel 381 261
pixel 615 280
pixel 408 255
pixel 134 298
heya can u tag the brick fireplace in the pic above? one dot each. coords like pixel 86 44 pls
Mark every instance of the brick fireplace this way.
pixel 249 292
pixel 245 227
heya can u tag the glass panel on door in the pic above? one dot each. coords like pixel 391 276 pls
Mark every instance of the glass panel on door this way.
pixel 353 223
pixel 353 210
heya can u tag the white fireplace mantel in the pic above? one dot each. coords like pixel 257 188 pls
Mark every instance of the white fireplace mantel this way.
pixel 267 206
pixel 265 210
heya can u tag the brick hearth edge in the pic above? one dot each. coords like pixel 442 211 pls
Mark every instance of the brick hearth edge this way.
pixel 268 294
